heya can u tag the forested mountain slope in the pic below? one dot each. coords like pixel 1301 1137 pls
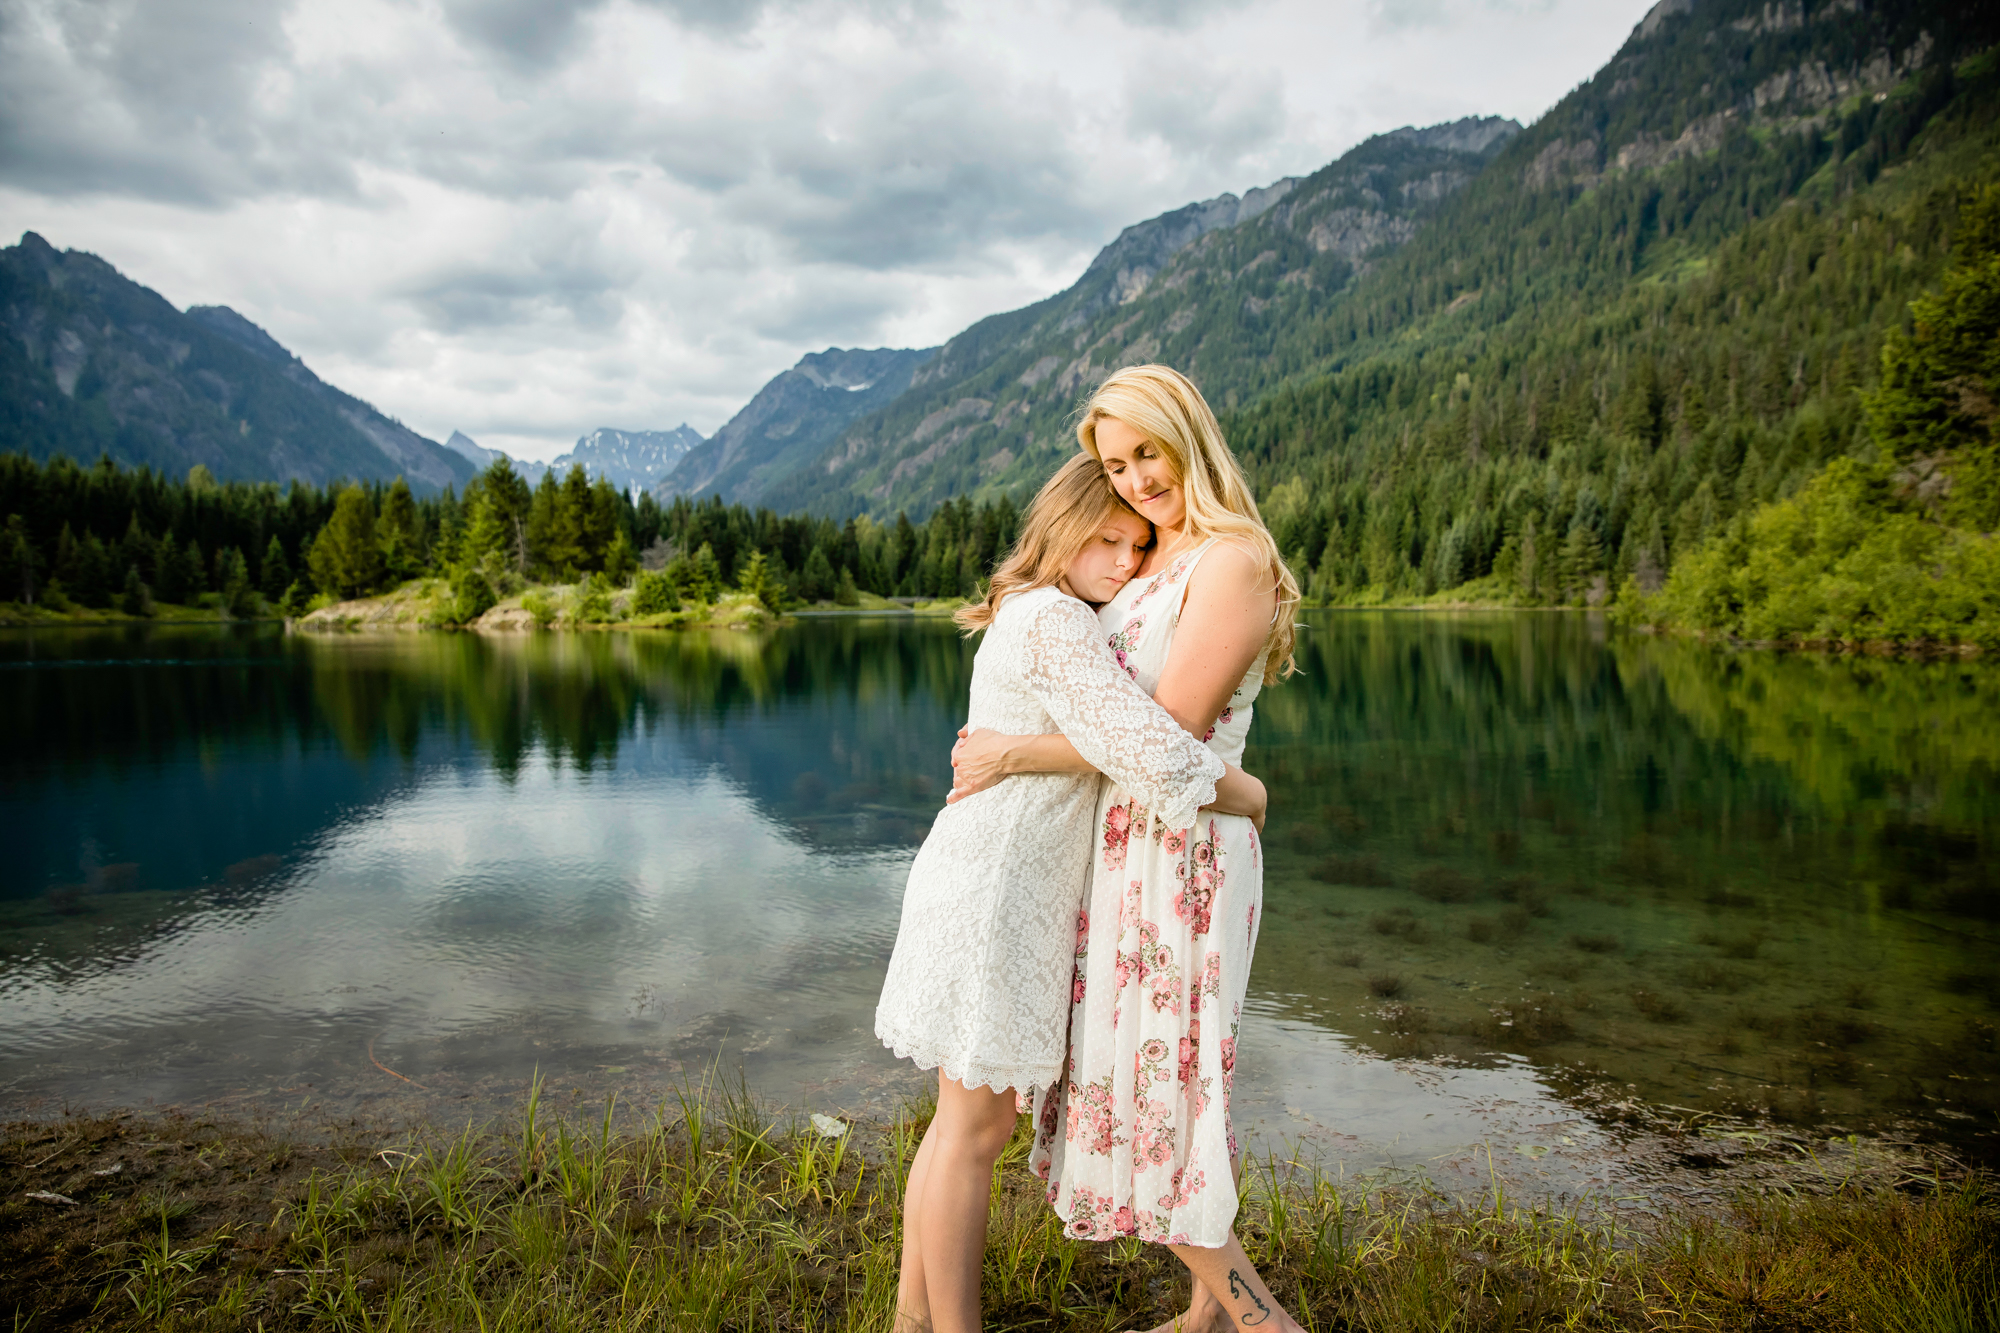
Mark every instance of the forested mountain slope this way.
pixel 791 421
pixel 1652 312
pixel 93 363
pixel 1643 315
pixel 1209 287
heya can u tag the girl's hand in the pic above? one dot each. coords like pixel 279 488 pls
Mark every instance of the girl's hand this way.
pixel 978 761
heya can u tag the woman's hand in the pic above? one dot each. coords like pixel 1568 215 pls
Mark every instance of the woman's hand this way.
pixel 978 761
pixel 1238 793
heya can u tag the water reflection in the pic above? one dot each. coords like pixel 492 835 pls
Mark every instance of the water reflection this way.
pixel 1514 859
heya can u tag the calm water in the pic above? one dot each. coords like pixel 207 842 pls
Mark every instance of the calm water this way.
pixel 1521 871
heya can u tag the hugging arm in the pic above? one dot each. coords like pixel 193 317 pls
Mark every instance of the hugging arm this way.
pixel 1224 622
pixel 1112 723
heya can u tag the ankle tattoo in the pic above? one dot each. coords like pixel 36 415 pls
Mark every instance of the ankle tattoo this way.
pixel 1243 1290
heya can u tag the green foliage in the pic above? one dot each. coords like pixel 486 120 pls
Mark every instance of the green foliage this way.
pixel 593 606
pixel 1901 550
pixel 296 601
pixel 760 581
pixel 620 560
pixel 472 595
pixel 540 606
pixel 655 592
pixel 1939 397
pixel 1845 560
pixel 135 599
pixel 20 562
pixel 345 559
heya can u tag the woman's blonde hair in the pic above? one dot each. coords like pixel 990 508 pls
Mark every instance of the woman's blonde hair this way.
pixel 1067 512
pixel 1164 406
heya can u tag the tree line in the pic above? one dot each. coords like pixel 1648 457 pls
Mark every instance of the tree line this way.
pixel 130 538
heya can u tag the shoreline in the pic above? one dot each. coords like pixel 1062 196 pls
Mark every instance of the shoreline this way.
pixel 709 1211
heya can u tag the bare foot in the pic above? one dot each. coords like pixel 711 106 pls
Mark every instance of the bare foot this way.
pixel 1206 1315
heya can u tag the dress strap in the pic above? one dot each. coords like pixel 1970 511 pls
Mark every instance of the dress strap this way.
pixel 1186 574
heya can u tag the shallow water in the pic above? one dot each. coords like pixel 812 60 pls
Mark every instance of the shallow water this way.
pixel 1525 875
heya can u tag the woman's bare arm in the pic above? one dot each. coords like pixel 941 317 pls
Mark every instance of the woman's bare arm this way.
pixel 1224 625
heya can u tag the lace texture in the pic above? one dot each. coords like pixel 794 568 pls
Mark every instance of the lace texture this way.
pixel 979 983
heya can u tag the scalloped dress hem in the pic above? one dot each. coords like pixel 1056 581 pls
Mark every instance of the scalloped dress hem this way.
pixel 971 1073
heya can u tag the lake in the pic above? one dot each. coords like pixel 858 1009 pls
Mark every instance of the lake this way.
pixel 1531 881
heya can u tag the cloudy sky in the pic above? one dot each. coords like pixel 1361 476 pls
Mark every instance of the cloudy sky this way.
pixel 528 218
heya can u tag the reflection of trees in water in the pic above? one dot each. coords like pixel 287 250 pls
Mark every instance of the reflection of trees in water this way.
pixel 1467 733
pixel 1696 862
pixel 839 727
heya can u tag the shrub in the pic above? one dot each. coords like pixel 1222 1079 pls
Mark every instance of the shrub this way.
pixel 655 593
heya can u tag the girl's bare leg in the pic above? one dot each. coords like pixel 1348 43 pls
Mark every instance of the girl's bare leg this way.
pixel 944 1211
pixel 913 1302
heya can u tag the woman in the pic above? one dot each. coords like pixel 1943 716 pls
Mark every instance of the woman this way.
pixel 1136 1140
pixel 978 984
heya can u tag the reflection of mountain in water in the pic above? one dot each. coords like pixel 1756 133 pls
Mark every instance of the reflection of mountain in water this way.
pixel 213 750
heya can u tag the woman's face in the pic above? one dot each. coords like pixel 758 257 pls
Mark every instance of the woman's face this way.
pixel 1140 473
pixel 1109 559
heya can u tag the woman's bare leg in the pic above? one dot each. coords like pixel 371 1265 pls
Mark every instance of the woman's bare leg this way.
pixel 1228 1293
pixel 944 1211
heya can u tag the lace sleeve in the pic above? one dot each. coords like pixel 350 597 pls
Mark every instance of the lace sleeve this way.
pixel 1111 721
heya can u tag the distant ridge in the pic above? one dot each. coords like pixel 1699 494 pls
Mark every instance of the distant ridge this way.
pixel 791 420
pixel 97 364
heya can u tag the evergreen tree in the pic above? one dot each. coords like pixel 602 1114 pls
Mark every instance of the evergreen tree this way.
pixel 136 599
pixel 275 575
pixel 704 575
pixel 232 580
pixel 20 563
pixel 399 530
pixel 498 503
pixel 620 560
pixel 757 578
pixel 817 580
pixel 846 594
pixel 346 558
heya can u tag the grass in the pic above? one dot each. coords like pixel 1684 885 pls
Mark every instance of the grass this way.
pixel 705 1214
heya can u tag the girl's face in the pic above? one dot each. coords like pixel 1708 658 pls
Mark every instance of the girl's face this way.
pixel 1109 559
pixel 1140 473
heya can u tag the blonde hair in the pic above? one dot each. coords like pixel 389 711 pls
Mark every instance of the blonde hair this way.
pixel 1164 406
pixel 1067 512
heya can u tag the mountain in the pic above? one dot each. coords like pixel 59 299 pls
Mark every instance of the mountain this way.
pixel 1209 287
pixel 98 364
pixel 1547 361
pixel 631 459
pixel 791 421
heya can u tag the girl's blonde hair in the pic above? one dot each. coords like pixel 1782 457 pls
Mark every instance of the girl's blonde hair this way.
pixel 1067 512
pixel 1164 406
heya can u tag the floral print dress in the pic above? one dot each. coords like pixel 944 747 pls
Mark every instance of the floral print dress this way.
pixel 1136 1139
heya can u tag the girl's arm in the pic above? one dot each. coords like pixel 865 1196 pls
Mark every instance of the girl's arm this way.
pixel 981 758
pixel 1113 723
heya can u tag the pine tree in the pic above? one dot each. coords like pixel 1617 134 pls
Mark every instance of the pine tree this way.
pixel 20 563
pixel 346 558
pixel 275 575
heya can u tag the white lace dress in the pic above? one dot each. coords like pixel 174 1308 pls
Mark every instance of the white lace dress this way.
pixel 1136 1139
pixel 979 983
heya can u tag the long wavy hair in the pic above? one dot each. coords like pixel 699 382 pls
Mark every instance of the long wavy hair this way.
pixel 1164 406
pixel 1066 514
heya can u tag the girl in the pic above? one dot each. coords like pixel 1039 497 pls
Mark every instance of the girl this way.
pixel 978 985
pixel 1136 1140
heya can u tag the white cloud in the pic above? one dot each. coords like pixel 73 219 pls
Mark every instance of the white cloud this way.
pixel 528 218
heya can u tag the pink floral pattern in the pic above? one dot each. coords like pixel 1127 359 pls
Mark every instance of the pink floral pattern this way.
pixel 1142 1143
pixel 1125 642
pixel 1117 833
